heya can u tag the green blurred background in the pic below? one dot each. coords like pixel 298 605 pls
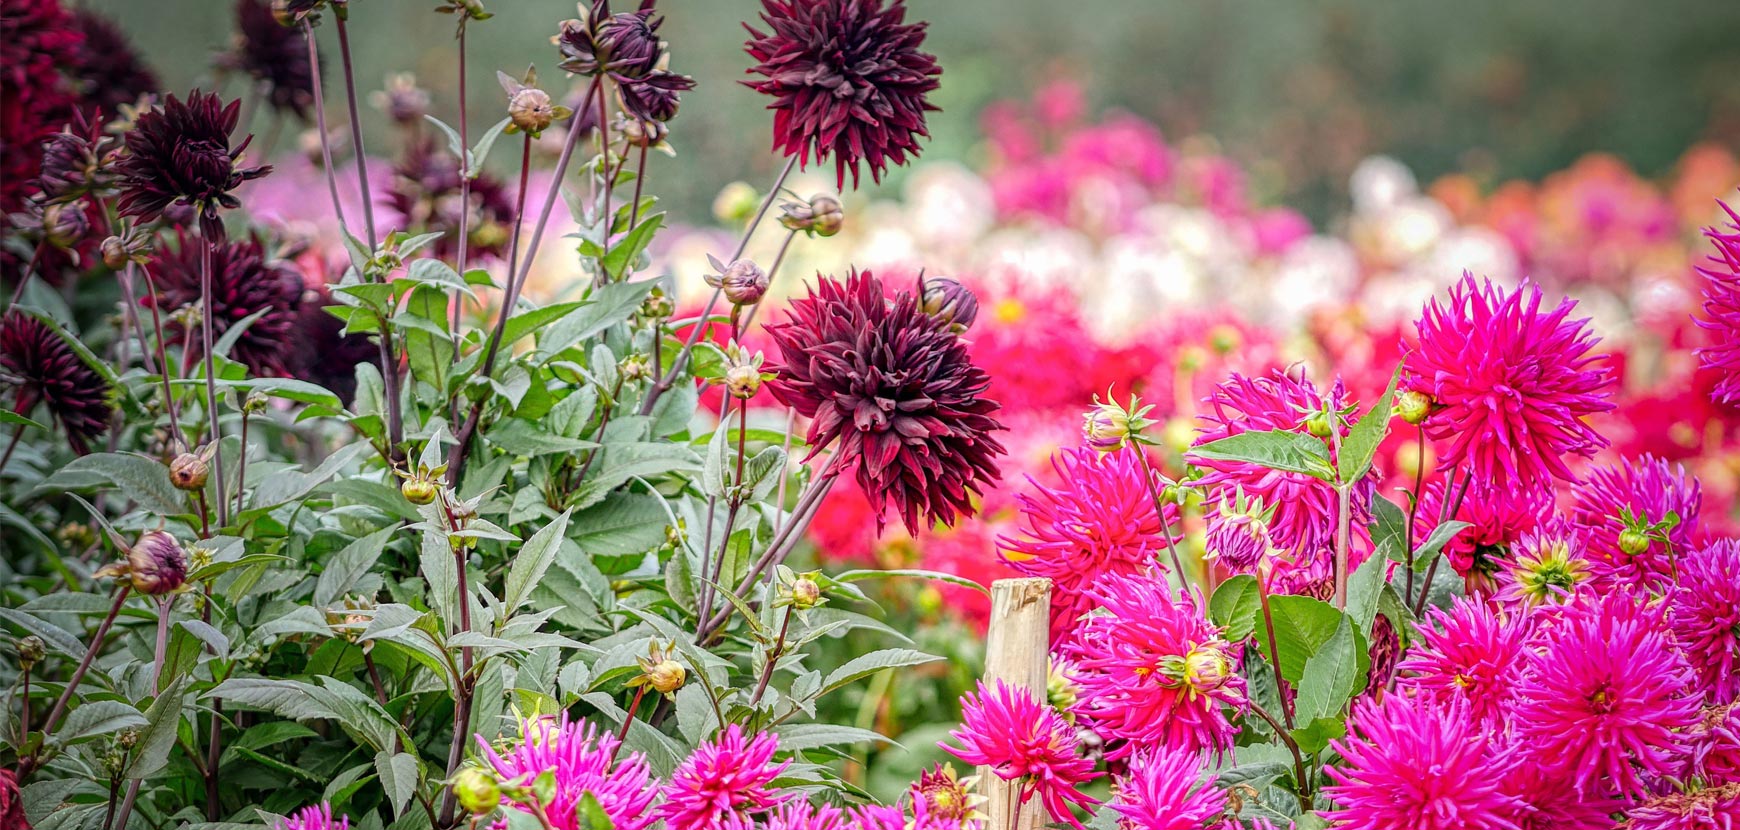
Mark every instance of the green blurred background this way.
pixel 1297 91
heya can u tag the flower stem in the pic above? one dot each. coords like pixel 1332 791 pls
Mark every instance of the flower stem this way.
pixel 608 177
pixel 639 177
pixel 1159 512
pixel 1274 651
pixel 462 683
pixel 1343 519
pixel 464 183
pixel 169 406
pixel 717 569
pixel 162 648
pixel 356 138
pixel 216 437
pixel 79 673
pixel 771 272
pixel 11 445
pixel 633 706
pixel 773 656
pixel 1306 804
pixel 1414 503
pixel 782 544
pixel 320 123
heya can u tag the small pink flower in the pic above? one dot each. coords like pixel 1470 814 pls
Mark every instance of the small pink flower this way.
pixel 725 778
pixel 314 817
pixel 1007 729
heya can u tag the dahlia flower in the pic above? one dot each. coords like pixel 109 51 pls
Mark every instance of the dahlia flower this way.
pixel 75 162
pixel 895 388
pixel 1238 534
pixel 1412 764
pixel 314 817
pixel 654 96
pixel 1713 746
pixel 425 193
pixel 1007 729
pixel 1511 383
pixel 1603 698
pixel 1705 614
pixel 1546 566
pixel 1549 801
pixel 799 814
pixel 43 369
pixel 243 283
pixel 624 45
pixel 1714 808
pixel 1100 521
pixel 1651 490
pixel 946 800
pixel 274 55
pixel 581 756
pixel 726 777
pixel 1499 516
pixel 1722 308
pixel 181 154
pixel 847 79
pixel 1153 671
pixel 1162 791
pixel 37 40
pixel 109 69
pixel 323 354
pixel 1472 653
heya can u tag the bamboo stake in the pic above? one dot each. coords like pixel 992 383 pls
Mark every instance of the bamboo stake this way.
pixel 1017 651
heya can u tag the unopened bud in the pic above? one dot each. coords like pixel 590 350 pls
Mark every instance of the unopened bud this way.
pixel 736 202
pixel 743 282
pixel 1207 668
pixel 188 471
pixel 657 306
pixel 667 677
pixel 1633 542
pixel 476 791
pixel 1318 424
pixel 31 650
pixel 805 593
pixel 640 132
pixel 822 215
pixel 115 253
pixel 64 225
pixel 157 564
pixel 1413 406
pixel 633 368
pixel 743 381
pixel 419 490
pixel 531 110
pixel 948 300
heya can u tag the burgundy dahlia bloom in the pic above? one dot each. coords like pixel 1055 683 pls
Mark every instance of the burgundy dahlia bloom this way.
pixel 1705 613
pixel 425 192
pixel 180 154
pixel 1511 383
pixel 1472 653
pixel 37 42
pixel 655 95
pixel 1652 490
pixel 897 390
pixel 42 368
pixel 1163 791
pixel 1722 308
pixel 1021 739
pixel 76 162
pixel 582 759
pixel 624 45
pixel 1411 764
pixel 847 79
pixel 274 55
pixel 729 776
pixel 110 71
pixel 243 283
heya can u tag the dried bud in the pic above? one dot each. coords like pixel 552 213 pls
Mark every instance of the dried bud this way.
pixel 477 791
pixel 31 650
pixel 157 564
pixel 948 300
pixel 822 215
pixel 742 281
pixel 188 471
pixel 1633 542
pixel 1413 406
pixel 531 110
pixel 64 225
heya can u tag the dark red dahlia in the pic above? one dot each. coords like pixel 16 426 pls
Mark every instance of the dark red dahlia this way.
pixel 324 354
pixel 624 45
pixel 244 282
pixel 76 161
pixel 896 388
pixel 275 56
pixel 848 80
pixel 109 71
pixel 41 368
pixel 180 154
pixel 37 41
pixel 425 192
pixel 654 96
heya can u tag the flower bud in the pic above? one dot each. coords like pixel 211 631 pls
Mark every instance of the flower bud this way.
pixel 31 650
pixel 64 225
pixel 742 281
pixel 949 301
pixel 1413 406
pixel 1318 424
pixel 743 381
pixel 418 490
pixel 629 45
pixel 667 676
pixel 1206 668
pixel 822 215
pixel 1633 542
pixel 634 368
pixel 156 564
pixel 115 253
pixel 476 791
pixel 531 110
pixel 805 593
pixel 736 202
pixel 639 132
pixel 188 471
pixel 402 100
pixel 657 306
pixel 1223 339
pixel 1104 428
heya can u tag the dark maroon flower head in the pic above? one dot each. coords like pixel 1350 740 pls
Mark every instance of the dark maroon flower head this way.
pixel 425 192
pixel 110 71
pixel 654 96
pixel 324 354
pixel 275 56
pixel 898 391
pixel 181 154
pixel 41 368
pixel 847 79
pixel 243 283
pixel 625 45
pixel 37 42
pixel 76 161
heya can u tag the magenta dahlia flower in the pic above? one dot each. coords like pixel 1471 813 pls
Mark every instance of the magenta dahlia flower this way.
pixel 1547 801
pixel 1709 808
pixel 940 799
pixel 731 775
pixel 1511 383
pixel 847 79
pixel 1499 516
pixel 1412 764
pixel 1021 739
pixel 314 817
pixel 181 154
pixel 1152 670
pixel 244 282
pixel 1472 653
pixel 1705 614
pixel 1652 491
pixel 41 368
pixel 1605 697
pixel 1100 521
pixel 581 756
pixel 897 391
pixel 799 814
pixel 1713 746
pixel 1547 566
pixel 1304 519
pixel 1163 791
pixel 1722 308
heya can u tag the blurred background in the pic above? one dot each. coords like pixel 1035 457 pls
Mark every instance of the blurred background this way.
pixel 1296 93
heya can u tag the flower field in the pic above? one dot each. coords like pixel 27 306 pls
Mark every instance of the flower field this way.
pixel 452 481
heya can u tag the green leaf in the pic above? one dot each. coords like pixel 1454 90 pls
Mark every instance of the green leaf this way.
pixel 480 154
pixel 801 736
pixel 163 719
pixel 626 250
pixel 53 635
pixel 400 774
pixel 868 664
pixel 591 814
pixel 1302 626
pixel 1330 675
pixel 1440 536
pixel 532 561
pixel 141 479
pixel 428 345
pixel 98 717
pixel 1236 607
pixel 7 416
pixel 345 567
pixel 1361 443
pixel 935 576
pixel 442 573
pixel 622 462
pixel 1314 737
pixel 1364 589
pixel 518 436
pixel 523 323
pixel 1292 452
pixel 606 307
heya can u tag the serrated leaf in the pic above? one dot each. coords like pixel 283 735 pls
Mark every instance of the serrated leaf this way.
pixel 801 736
pixel 1302 626
pixel 141 479
pixel 1435 542
pixel 532 561
pixel 163 719
pixel 1330 675
pixel 400 776
pixel 347 566
pixel 1361 444
pixel 1282 450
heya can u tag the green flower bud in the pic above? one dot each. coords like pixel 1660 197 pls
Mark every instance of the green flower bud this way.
pixel 1413 406
pixel 476 791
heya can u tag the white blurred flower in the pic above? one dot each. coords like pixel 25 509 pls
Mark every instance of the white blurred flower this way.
pixel 1380 183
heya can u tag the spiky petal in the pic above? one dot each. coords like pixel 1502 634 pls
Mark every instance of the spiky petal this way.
pixel 584 761
pixel 1163 791
pixel 1652 490
pixel 728 777
pixel 1411 764
pixel 244 283
pixel 45 370
pixel 314 817
pixel 1021 739
pixel 1705 610
pixel 180 154
pixel 1473 653
pixel 1721 273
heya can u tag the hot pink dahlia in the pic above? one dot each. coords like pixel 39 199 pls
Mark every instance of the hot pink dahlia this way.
pixel 1650 491
pixel 1547 566
pixel 1163 791
pixel 726 777
pixel 1304 520
pixel 1722 308
pixel 1546 801
pixel 1705 611
pixel 314 817
pixel 1153 670
pixel 1605 696
pixel 1411 764
pixel 1021 739
pixel 799 814
pixel 1713 746
pixel 580 755
pixel 1510 383
pixel 1101 520
pixel 1713 808
pixel 1499 515
pixel 1473 653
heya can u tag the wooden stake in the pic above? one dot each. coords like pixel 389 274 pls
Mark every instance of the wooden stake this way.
pixel 1017 651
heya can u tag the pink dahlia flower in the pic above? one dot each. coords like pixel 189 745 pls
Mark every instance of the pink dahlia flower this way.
pixel 1653 491
pixel 727 777
pixel 1511 383
pixel 1547 566
pixel 1021 739
pixel 581 757
pixel 1472 653
pixel 798 815
pixel 1705 611
pixel 1722 308
pixel 1499 516
pixel 1162 791
pixel 1712 808
pixel 1606 696
pixel 1547 801
pixel 1412 764
pixel 1153 671
pixel 1713 746
pixel 314 817
pixel 1099 521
